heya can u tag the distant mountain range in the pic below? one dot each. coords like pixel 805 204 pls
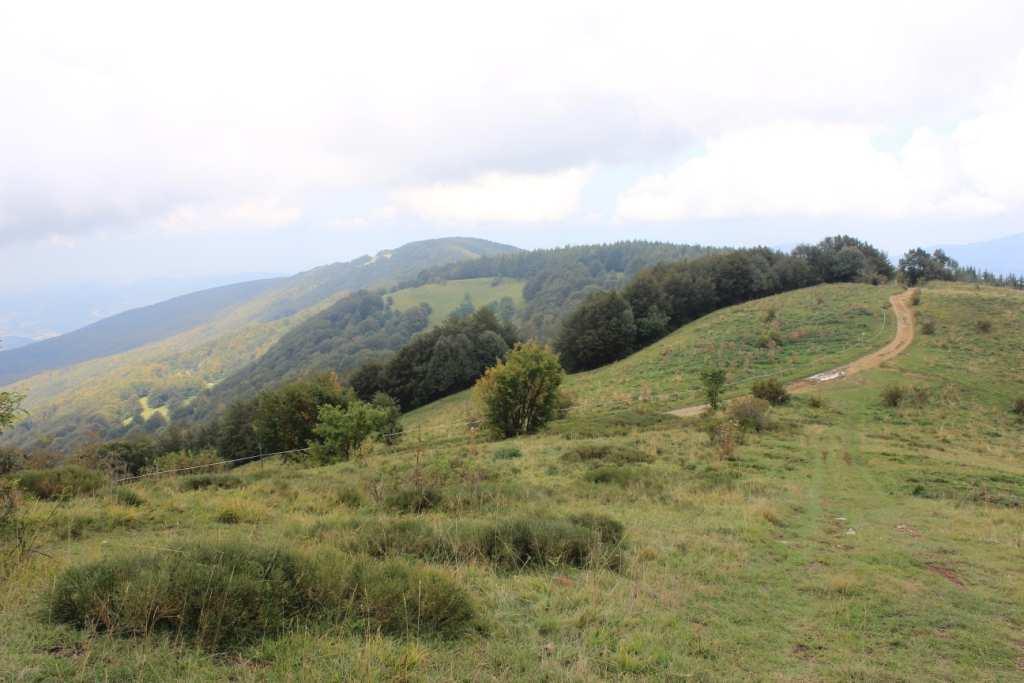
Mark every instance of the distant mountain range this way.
pixel 14 342
pixel 1004 256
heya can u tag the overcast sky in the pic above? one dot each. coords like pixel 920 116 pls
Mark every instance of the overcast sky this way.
pixel 178 139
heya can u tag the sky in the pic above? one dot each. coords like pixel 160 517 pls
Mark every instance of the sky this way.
pixel 178 140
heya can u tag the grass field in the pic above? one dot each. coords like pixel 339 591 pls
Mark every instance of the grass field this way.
pixel 446 297
pixel 851 541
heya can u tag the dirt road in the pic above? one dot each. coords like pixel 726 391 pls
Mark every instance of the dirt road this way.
pixel 904 312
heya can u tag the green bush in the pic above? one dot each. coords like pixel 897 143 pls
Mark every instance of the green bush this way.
pixel 771 390
pixel 224 596
pixel 751 414
pixel 197 482
pixel 713 380
pixel 507 453
pixel 342 429
pixel 915 298
pixel 606 453
pixel 983 326
pixel 228 516
pixel 1018 407
pixel 350 496
pixel 520 394
pixel 893 396
pixel 178 460
pixel 927 327
pixel 60 482
pixel 126 496
pixel 414 500
pixel 586 541
pixel 816 401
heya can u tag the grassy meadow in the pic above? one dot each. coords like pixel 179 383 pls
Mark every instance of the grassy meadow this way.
pixel 850 540
pixel 445 297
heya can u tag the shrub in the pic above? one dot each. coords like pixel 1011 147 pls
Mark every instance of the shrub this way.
pixel 584 541
pixel 893 396
pixel 414 500
pixel 816 401
pixel 223 596
pixel 771 390
pixel 919 395
pixel 228 516
pixel 723 435
pixel 751 414
pixel 713 380
pixel 507 453
pixel 609 453
pixel 769 339
pixel 197 482
pixel 520 394
pixel 983 326
pixel 342 429
pixel 1018 407
pixel 928 327
pixel 915 298
pixel 613 474
pixel 126 496
pixel 178 460
pixel 60 482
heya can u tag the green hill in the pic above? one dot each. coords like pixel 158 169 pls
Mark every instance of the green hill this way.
pixel 91 400
pixel 847 540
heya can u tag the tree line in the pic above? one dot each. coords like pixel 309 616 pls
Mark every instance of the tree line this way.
pixel 610 325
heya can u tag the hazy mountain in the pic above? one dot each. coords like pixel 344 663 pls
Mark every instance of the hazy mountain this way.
pixel 103 396
pixel 1004 256
pixel 48 310
pixel 127 330
pixel 12 342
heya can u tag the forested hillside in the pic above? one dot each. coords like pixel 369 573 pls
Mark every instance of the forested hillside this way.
pixel 116 395
pixel 557 280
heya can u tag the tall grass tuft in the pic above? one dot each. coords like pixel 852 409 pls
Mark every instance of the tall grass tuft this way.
pixel 225 596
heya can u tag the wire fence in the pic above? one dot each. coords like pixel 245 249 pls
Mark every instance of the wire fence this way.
pixel 457 429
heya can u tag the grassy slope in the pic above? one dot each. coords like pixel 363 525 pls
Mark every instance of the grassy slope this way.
pixel 445 298
pixel 852 542
pixel 820 328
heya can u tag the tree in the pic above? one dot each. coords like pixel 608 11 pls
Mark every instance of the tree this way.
pixel 342 429
pixel 466 308
pixel 713 380
pixel 10 409
pixel 917 266
pixel 520 394
pixel 600 331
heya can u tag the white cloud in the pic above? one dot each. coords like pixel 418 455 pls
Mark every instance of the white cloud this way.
pixel 262 213
pixel 823 170
pixel 507 197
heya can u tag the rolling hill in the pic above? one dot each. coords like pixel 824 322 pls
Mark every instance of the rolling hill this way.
pixel 842 539
pixel 128 330
pixel 92 399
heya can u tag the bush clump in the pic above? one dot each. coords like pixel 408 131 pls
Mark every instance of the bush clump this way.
pixel 507 453
pixel 1018 408
pixel 402 537
pixel 606 453
pixel 224 596
pixel 582 541
pixel 893 396
pixel 520 394
pixel 414 500
pixel 983 326
pixel 620 475
pixel 771 390
pixel 197 482
pixel 126 496
pixel 60 482
pixel 751 414
pixel 928 327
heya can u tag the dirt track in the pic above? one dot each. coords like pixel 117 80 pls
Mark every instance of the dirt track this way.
pixel 904 336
